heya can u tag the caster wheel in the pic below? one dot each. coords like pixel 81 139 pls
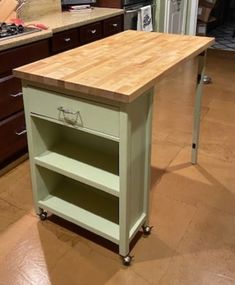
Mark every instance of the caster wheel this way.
pixel 147 230
pixel 126 260
pixel 207 79
pixel 42 215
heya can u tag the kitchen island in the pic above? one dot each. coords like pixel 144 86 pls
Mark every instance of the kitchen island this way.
pixel 88 116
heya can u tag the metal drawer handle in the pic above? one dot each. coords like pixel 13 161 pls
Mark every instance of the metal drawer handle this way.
pixel 93 31
pixel 67 40
pixel 115 25
pixel 66 111
pixel 131 11
pixel 6 78
pixel 69 117
pixel 21 133
pixel 16 95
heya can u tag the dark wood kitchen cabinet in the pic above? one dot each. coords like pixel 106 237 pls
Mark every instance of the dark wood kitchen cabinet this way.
pixel 112 26
pixel 13 141
pixel 63 41
pixel 72 38
pixel 90 33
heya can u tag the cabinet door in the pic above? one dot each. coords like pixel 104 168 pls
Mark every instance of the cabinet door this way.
pixel 90 33
pixel 113 26
pixel 64 41
pixel 15 57
pixel 11 100
pixel 12 136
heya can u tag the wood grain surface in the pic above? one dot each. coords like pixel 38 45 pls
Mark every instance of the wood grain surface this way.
pixel 120 67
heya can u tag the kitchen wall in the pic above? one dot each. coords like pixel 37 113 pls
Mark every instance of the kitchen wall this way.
pixel 34 8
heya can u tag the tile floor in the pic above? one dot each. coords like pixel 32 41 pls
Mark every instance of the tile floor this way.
pixel 192 208
pixel 224 36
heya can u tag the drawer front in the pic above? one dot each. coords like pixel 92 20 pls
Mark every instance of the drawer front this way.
pixel 64 41
pixel 74 111
pixel 11 99
pixel 12 136
pixel 90 33
pixel 113 26
pixel 15 57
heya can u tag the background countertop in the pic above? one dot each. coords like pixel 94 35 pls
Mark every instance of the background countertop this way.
pixel 60 21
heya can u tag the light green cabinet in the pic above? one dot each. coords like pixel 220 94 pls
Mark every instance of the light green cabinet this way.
pixel 90 160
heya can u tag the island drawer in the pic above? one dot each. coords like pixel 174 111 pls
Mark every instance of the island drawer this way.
pixel 12 136
pixel 11 99
pixel 64 40
pixel 74 111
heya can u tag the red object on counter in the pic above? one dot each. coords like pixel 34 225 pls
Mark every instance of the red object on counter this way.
pixel 36 25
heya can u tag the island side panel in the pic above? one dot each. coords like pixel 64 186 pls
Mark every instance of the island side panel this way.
pixel 33 144
pixel 135 153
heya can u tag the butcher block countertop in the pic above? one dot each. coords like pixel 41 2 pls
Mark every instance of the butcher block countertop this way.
pixel 60 21
pixel 120 67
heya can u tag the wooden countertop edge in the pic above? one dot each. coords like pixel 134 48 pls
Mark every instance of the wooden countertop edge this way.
pixel 106 94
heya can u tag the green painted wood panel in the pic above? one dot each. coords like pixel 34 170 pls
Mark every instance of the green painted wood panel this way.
pixel 86 114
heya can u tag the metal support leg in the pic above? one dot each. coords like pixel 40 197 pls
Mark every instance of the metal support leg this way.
pixel 197 108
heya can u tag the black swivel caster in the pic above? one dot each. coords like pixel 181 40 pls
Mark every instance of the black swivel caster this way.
pixel 126 260
pixel 42 215
pixel 147 230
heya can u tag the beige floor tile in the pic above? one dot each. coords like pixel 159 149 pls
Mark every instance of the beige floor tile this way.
pixel 9 215
pixel 170 219
pixel 179 137
pixel 222 113
pixel 37 250
pixel 82 265
pixel 162 154
pixel 14 232
pixel 23 198
pixel 206 253
pixel 183 272
pixel 210 183
pixel 126 277
pixel 153 254
pixel 154 267
pixel 16 187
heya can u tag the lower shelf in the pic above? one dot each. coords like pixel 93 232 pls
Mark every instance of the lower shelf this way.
pixel 87 207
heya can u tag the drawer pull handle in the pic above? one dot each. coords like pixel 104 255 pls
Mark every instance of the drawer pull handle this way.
pixel 93 31
pixel 17 94
pixel 70 117
pixel 115 25
pixel 21 133
pixel 66 111
pixel 6 78
pixel 67 40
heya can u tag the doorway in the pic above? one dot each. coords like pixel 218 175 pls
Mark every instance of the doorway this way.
pixel 223 27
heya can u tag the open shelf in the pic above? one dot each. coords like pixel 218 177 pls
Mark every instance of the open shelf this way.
pixel 81 156
pixel 81 204
pixel 82 165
